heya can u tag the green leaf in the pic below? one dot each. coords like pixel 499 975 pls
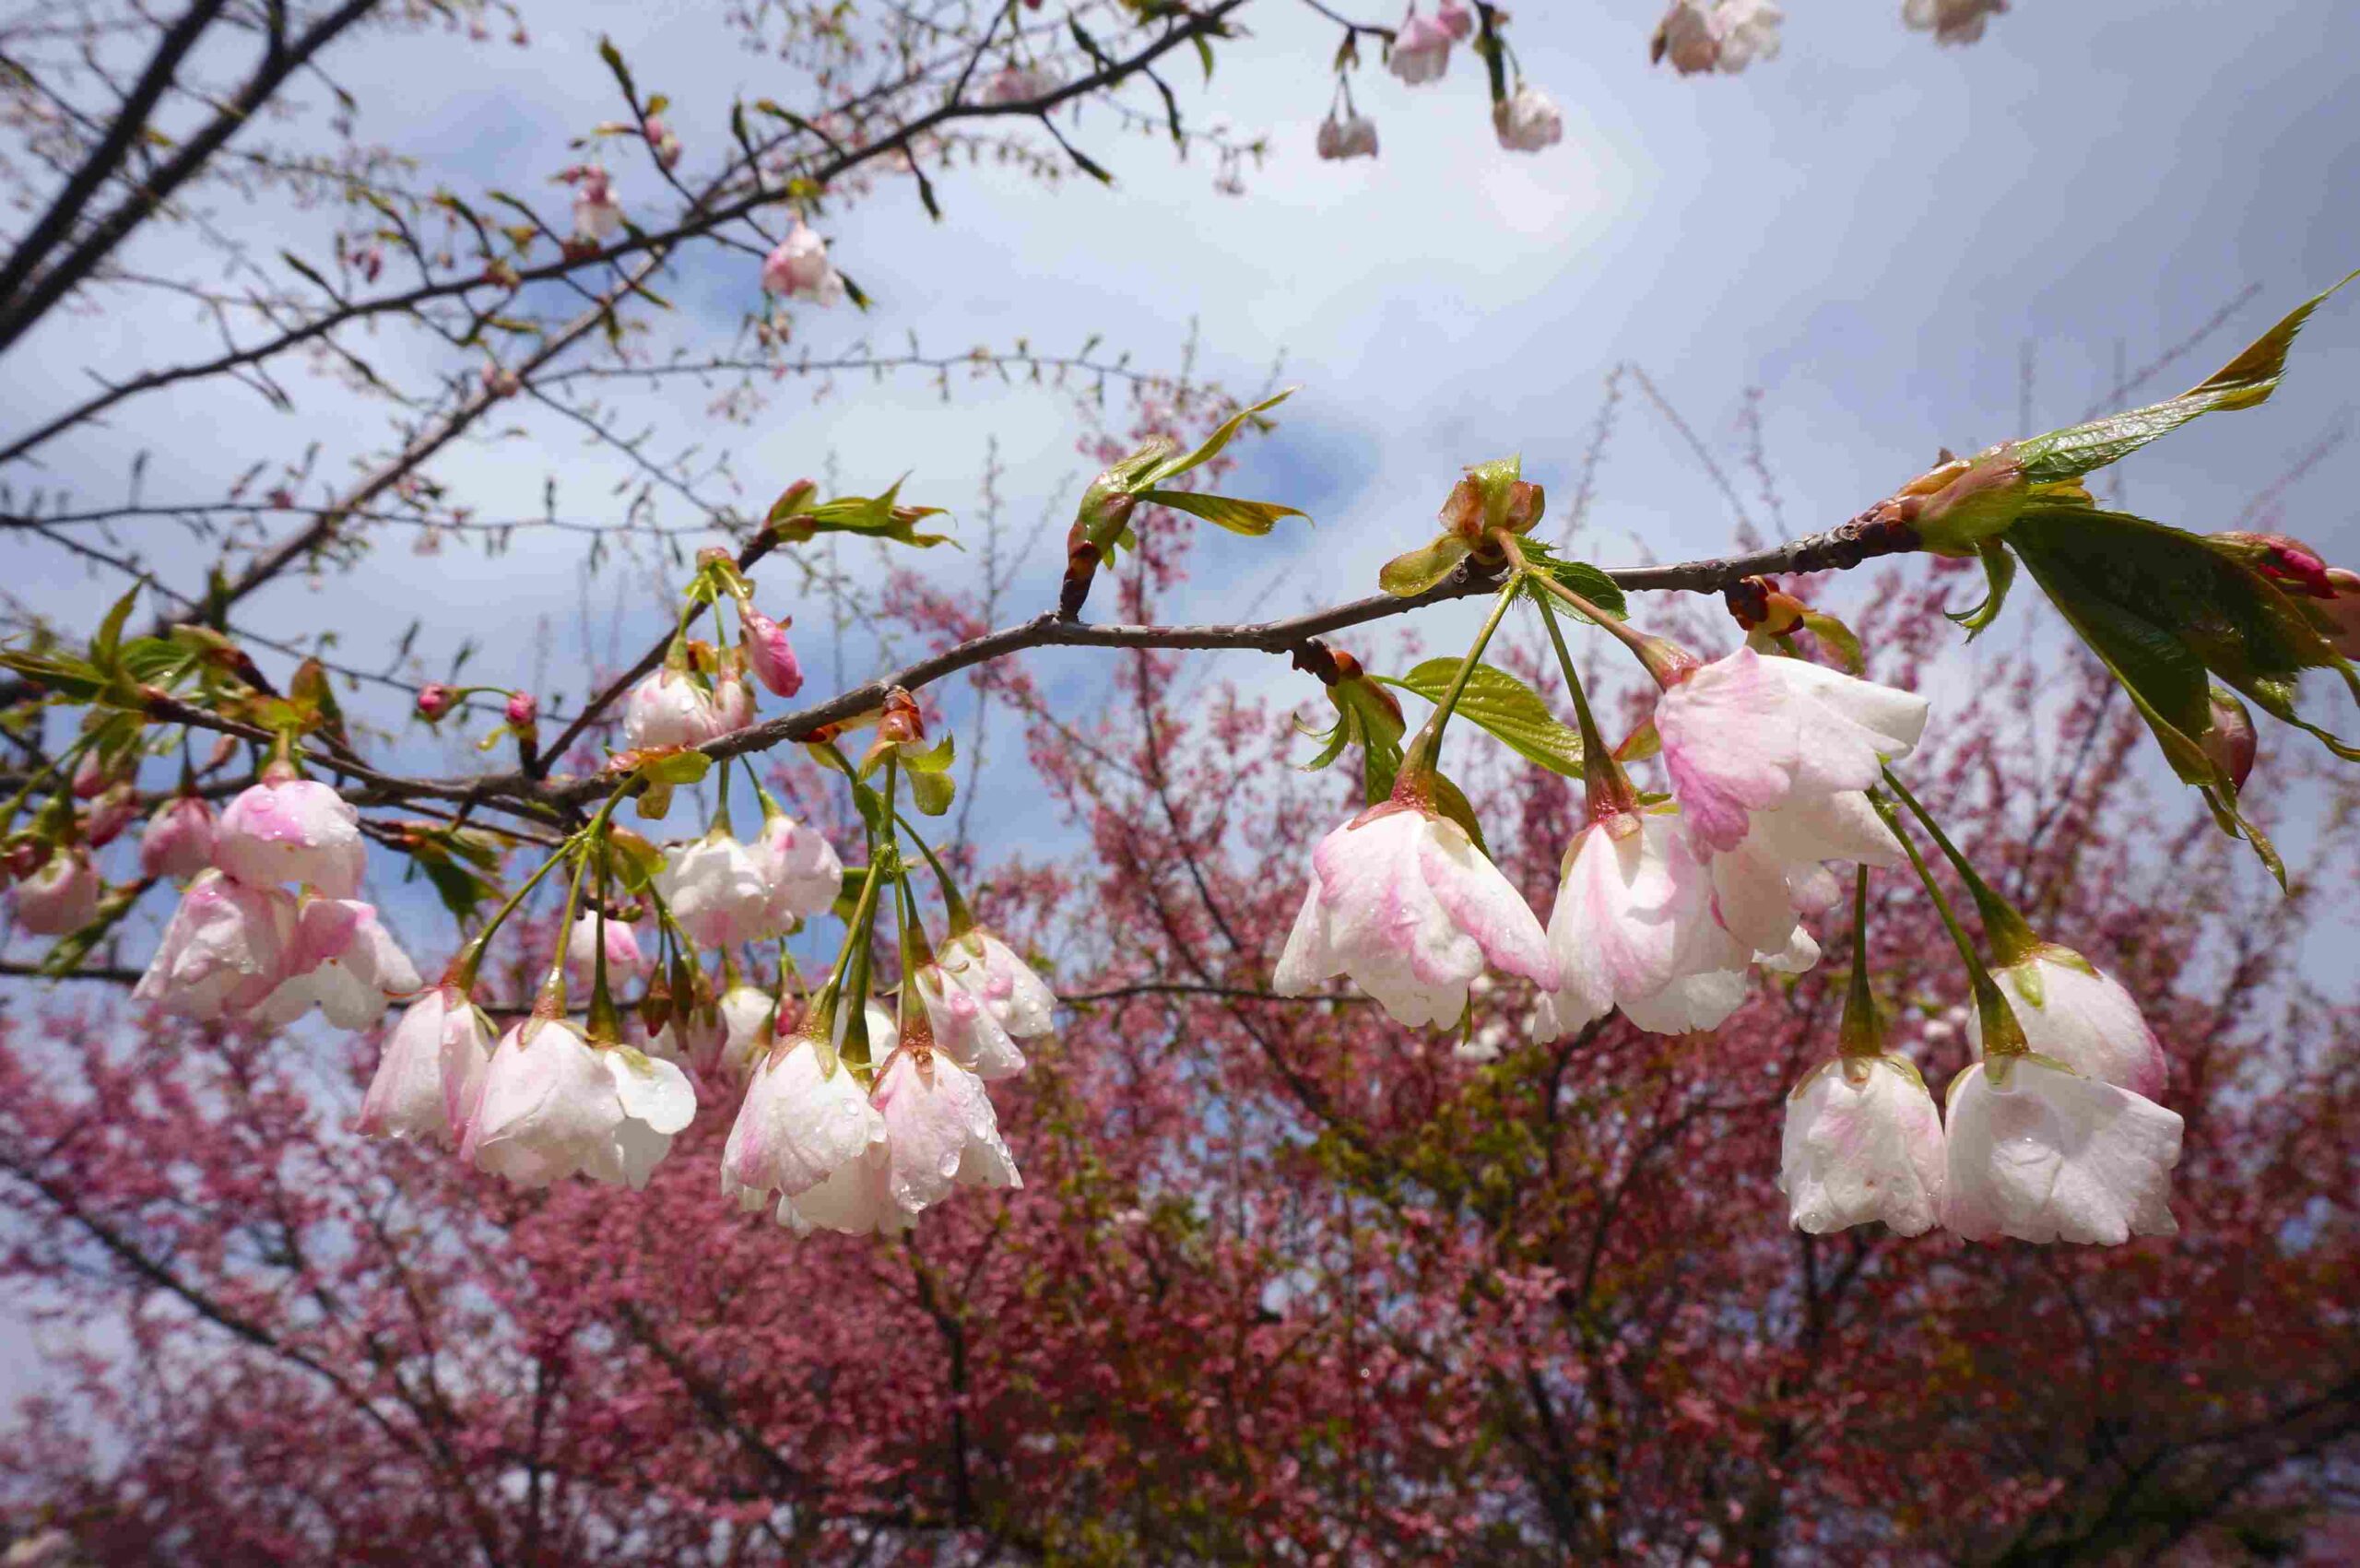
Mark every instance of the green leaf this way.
pixel 69 678
pixel 1213 443
pixel 932 791
pixel 104 646
pixel 677 767
pixel 1253 518
pixel 849 893
pixel 1452 802
pixel 1364 718
pixel 1504 705
pixel 1641 743
pixel 1592 583
pixel 1999 575
pixel 935 759
pixel 2245 380
pixel 1410 574
pixel 614 59
pixel 876 517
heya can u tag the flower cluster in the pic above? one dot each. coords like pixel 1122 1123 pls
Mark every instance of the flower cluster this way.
pixel 241 947
pixel 1725 35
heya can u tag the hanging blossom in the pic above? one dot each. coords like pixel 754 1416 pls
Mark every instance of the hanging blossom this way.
pixel 1420 51
pixel 61 896
pixel 224 952
pixel 662 141
pixel 797 864
pixel 2070 1011
pixel 292 829
pixel 1952 21
pixel 798 268
pixel 1770 759
pixel 804 1118
pixel 749 1023
pixel 1633 927
pixel 767 654
pixel 1020 84
pixel 1863 1142
pixel 344 962
pixel 555 1104
pixel 1727 36
pixel 980 999
pixel 597 217
pixel 1355 135
pixel 1403 902
pixel 620 937
pixel 718 891
pixel 178 841
pixel 2043 1154
pixel 431 1071
pixel 1529 120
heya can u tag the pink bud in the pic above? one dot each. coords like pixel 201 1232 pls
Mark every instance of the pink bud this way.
pixel 501 382
pixel 524 708
pixel 662 142
pixel 2284 561
pixel 434 700
pixel 770 654
pixel 2343 611
pixel 110 814
pixel 2229 740
pixel 1456 20
pixel 179 840
pixel 90 776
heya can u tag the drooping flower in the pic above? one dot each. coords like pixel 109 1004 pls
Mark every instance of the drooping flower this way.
pixel 674 708
pixel 1529 120
pixel 662 141
pixel 179 839
pixel 1633 926
pixel 746 1029
pixel 719 890
pixel 1863 1142
pixel 1952 21
pixel 1780 871
pixel 804 1118
pixel 2043 1154
pixel 225 949
pixel 624 959
pixel 291 829
pixel 1749 30
pixel 61 896
pixel 597 217
pixel 1403 902
pixel 1748 734
pixel 110 814
pixel 769 654
pixel 965 1029
pixel 940 1131
pixel 343 961
pixel 799 269
pixel 554 1106
pixel 996 975
pixel 431 1071
pixel 1688 38
pixel 1454 18
pixel 1355 135
pixel 1420 51
pixel 799 865
pixel 2085 1020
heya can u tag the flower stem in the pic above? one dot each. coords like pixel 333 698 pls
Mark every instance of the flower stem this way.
pixel 1604 782
pixel 2002 1035
pixel 2004 926
pixel 1861 1032
pixel 1428 746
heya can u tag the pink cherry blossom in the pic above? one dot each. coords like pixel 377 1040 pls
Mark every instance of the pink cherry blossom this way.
pixel 1528 121
pixel 799 865
pixel 1749 31
pixel 2082 1018
pixel 1352 137
pixel 624 959
pixel 940 1131
pixel 674 708
pixel 292 829
pixel 996 975
pixel 1420 51
pixel 553 1106
pixel 1952 21
pixel 1454 18
pixel 1405 904
pixel 1633 926
pixel 804 1118
pixel 431 1071
pixel 662 141
pixel 798 268
pixel 1863 1142
pixel 61 896
pixel 343 961
pixel 720 891
pixel 597 217
pixel 769 654
pixel 2044 1155
pixel 225 949
pixel 178 841
pixel 965 1029
pixel 110 814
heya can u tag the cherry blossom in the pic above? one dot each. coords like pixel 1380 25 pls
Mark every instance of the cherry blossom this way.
pixel 178 841
pixel 769 655
pixel 61 896
pixel 799 865
pixel 291 829
pixel 805 1116
pixel 1403 902
pixel 1420 51
pixel 1952 21
pixel 226 948
pixel 798 268
pixel 431 1071
pixel 996 975
pixel 1355 135
pixel 722 893
pixel 672 707
pixel 2042 1154
pixel 343 961
pixel 1863 1142
pixel 554 1106
pixel 1633 926
pixel 624 959
pixel 2084 1019
pixel 1528 121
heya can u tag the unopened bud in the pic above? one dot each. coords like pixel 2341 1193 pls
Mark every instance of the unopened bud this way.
pixel 501 382
pixel 110 815
pixel 1759 606
pixel 434 700
pixel 2229 739
pixel 91 776
pixel 2283 559
pixel 524 709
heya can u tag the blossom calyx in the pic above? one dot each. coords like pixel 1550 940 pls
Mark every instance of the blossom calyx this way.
pixel 1955 506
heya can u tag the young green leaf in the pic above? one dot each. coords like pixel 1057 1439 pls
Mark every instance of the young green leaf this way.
pixel 1253 518
pixel 1999 575
pixel 1174 466
pixel 1501 703
pixel 1411 574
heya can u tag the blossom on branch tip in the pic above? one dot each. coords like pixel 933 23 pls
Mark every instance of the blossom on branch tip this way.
pixel 343 961
pixel 1528 121
pixel 290 830
pixel 61 896
pixel 178 841
pixel 662 141
pixel 1863 1142
pixel 1420 51
pixel 1352 137
pixel 2072 1012
pixel 996 975
pixel 1403 902
pixel 431 1071
pixel 798 268
pixel 2043 1154
pixel 224 950
pixel 554 1106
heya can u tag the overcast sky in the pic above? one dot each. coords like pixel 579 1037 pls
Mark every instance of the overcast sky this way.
pixel 1872 230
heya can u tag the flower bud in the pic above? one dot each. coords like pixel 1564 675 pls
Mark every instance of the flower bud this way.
pixel 179 840
pixel 2286 560
pixel 768 652
pixel 434 700
pixel 91 776
pixel 110 814
pixel 501 382
pixel 524 709
pixel 2229 739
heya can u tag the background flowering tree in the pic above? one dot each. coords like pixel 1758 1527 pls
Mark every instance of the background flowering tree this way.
pixel 1255 1271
